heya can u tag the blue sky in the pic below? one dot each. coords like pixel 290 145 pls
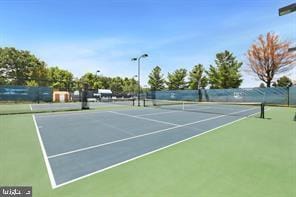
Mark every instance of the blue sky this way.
pixel 83 36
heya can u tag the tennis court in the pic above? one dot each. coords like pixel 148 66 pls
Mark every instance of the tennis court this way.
pixel 76 145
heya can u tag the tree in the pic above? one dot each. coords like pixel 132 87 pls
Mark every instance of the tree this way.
pixel 197 78
pixel 90 79
pixel 3 81
pixel 156 80
pixel 226 74
pixel 133 85
pixel 95 82
pixel 60 79
pixel 77 84
pixel 32 83
pixel 106 81
pixel 214 77
pixel 129 85
pixel 126 85
pixel 98 84
pixel 116 85
pixel 176 80
pixel 19 67
pixel 284 81
pixel 269 57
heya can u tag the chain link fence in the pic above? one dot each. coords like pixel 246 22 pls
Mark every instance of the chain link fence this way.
pixel 271 96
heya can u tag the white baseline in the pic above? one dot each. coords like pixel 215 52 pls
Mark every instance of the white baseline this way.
pixel 49 170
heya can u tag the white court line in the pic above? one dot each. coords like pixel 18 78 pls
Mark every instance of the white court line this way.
pixel 138 117
pixel 138 136
pixel 108 143
pixel 71 113
pixel 49 170
pixel 157 113
pixel 51 104
pixel 31 107
pixel 91 111
pixel 151 152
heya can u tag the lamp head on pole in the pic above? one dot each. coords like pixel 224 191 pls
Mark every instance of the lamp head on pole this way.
pixel 144 55
pixel 134 59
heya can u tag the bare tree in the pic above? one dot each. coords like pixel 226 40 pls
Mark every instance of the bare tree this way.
pixel 269 56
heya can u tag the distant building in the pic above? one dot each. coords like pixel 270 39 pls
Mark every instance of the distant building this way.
pixel 103 94
pixel 61 96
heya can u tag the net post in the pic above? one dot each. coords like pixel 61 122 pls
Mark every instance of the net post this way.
pixel 133 101
pixel 262 106
pixel 38 94
pixel 199 95
pixel 84 103
pixel 144 102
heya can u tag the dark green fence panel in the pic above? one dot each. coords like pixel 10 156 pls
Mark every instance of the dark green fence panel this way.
pixel 25 93
pixel 292 96
pixel 277 95
pixel 267 95
pixel 185 95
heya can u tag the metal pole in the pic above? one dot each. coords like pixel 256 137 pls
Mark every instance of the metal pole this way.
pixel 139 85
pixel 38 91
pixel 289 96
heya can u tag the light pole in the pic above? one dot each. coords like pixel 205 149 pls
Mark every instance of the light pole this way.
pixel 283 11
pixel 139 85
pixel 97 77
pixel 134 92
pixel 287 10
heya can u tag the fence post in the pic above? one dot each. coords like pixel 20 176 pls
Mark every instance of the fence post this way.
pixel 288 96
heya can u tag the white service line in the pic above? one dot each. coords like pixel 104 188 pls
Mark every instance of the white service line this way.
pixel 49 169
pixel 149 119
pixel 31 107
pixel 108 143
pixel 62 113
pixel 151 152
pixel 138 136
pixel 157 113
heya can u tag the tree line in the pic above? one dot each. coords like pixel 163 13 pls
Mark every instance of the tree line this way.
pixel 267 58
pixel 224 74
pixel 20 67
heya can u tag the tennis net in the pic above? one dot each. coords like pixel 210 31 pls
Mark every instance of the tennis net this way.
pixel 119 101
pixel 10 108
pixel 221 108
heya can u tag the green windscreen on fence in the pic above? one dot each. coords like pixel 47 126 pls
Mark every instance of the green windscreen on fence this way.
pixel 25 93
pixel 292 96
pixel 278 95
pixel 185 95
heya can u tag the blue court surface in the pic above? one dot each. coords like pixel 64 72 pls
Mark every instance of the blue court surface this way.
pixel 76 145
